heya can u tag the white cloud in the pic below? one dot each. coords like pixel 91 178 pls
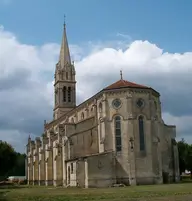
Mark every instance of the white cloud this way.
pixel 26 80
pixel 125 36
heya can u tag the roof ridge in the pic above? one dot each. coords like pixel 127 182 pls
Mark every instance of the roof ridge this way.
pixel 124 83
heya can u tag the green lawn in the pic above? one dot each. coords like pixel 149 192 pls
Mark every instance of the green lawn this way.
pixel 171 192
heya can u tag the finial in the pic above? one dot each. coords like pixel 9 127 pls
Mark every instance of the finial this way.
pixel 121 74
pixel 29 138
pixel 64 20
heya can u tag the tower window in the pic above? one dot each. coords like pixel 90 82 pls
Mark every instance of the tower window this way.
pixel 69 94
pixel 141 134
pixel 67 75
pixel 118 133
pixel 64 94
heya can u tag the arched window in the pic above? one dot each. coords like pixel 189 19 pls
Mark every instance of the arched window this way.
pixel 64 94
pixel 72 120
pixel 92 109
pixel 141 134
pixel 69 94
pixel 82 116
pixel 118 133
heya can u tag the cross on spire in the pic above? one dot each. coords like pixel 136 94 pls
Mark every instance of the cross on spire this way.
pixel 121 74
pixel 29 138
pixel 64 20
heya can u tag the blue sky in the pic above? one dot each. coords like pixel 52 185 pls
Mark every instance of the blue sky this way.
pixel 149 40
pixel 161 22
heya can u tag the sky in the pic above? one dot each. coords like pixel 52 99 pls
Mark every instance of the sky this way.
pixel 149 40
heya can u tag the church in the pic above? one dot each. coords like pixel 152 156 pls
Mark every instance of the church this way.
pixel 115 137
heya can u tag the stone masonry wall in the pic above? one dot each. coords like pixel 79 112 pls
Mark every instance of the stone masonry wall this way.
pixel 101 170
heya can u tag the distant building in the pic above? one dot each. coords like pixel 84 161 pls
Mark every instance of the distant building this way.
pixel 116 136
pixel 20 178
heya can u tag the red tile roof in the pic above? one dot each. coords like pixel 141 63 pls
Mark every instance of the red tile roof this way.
pixel 123 84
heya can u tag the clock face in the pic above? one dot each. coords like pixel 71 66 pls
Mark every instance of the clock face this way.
pixel 140 103
pixel 116 103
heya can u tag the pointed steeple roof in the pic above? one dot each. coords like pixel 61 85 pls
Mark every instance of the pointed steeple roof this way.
pixel 64 57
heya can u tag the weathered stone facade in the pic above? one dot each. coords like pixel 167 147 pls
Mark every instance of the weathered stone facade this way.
pixel 116 136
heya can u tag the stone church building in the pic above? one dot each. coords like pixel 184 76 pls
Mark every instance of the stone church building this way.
pixel 116 136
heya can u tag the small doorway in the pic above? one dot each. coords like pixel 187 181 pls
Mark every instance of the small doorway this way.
pixel 165 177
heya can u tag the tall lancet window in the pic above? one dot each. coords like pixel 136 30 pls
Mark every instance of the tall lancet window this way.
pixel 69 94
pixel 64 94
pixel 118 133
pixel 141 133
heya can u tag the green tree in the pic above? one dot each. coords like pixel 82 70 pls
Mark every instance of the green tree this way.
pixel 8 158
pixel 19 168
pixel 189 159
pixel 183 151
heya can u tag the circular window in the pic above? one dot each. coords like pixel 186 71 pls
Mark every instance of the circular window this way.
pixel 140 103
pixel 116 103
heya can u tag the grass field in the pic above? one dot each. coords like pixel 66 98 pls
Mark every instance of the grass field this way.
pixel 171 192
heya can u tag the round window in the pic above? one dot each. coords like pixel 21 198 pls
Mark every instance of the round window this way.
pixel 116 103
pixel 140 103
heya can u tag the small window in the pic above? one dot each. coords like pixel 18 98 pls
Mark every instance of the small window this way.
pixel 82 116
pixel 72 120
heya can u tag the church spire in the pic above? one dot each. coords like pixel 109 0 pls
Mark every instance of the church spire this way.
pixel 65 83
pixel 64 57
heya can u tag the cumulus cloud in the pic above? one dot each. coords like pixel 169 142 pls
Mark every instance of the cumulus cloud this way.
pixel 26 80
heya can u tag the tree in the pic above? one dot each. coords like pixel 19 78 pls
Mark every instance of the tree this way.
pixel 7 158
pixel 185 156
pixel 189 159
pixel 19 168
pixel 183 151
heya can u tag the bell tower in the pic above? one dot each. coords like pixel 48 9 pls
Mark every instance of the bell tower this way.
pixel 65 83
